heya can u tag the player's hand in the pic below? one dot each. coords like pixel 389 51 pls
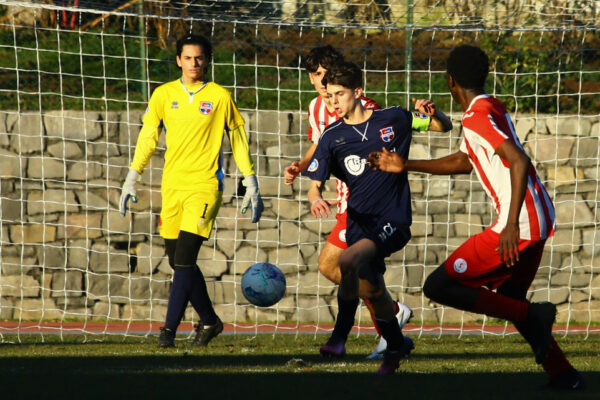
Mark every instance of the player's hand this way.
pixel 128 191
pixel 291 172
pixel 508 245
pixel 252 198
pixel 386 161
pixel 424 106
pixel 320 208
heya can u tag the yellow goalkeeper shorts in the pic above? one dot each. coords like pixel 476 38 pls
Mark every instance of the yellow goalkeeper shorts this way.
pixel 190 211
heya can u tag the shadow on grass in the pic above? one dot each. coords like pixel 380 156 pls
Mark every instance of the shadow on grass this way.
pixel 244 377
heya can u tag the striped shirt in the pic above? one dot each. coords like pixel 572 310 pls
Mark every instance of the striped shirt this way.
pixel 486 125
pixel 319 118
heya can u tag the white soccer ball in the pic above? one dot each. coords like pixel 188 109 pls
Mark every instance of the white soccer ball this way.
pixel 263 284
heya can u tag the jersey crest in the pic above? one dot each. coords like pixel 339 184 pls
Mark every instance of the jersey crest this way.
pixel 387 134
pixel 314 165
pixel 206 107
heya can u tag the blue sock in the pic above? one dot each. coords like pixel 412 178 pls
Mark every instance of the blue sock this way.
pixel 181 289
pixel 200 299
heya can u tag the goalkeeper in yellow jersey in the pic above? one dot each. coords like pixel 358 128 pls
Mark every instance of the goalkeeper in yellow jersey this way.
pixel 195 114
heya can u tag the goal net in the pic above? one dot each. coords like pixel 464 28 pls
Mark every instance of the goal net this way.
pixel 75 78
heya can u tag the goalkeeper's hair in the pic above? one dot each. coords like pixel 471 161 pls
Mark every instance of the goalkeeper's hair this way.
pixel 195 40
pixel 344 73
pixel 469 66
pixel 325 56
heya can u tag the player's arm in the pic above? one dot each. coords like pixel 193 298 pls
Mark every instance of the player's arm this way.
pixel 438 120
pixel 318 206
pixel 241 154
pixel 144 149
pixel 297 167
pixel 518 164
pixel 456 163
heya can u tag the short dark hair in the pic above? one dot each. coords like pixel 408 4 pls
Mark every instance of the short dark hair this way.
pixel 325 56
pixel 195 40
pixel 469 66
pixel 344 73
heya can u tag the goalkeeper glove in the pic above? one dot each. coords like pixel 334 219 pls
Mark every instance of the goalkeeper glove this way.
pixel 128 190
pixel 252 197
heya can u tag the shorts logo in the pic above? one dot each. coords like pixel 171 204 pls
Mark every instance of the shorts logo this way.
pixel 460 265
pixel 387 134
pixel 342 235
pixel 206 107
pixel 354 164
pixel 388 231
pixel 314 165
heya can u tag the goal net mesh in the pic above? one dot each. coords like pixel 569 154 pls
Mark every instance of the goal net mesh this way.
pixel 75 78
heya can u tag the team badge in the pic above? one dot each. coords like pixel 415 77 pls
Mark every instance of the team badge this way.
pixel 314 165
pixel 387 134
pixel 460 265
pixel 206 107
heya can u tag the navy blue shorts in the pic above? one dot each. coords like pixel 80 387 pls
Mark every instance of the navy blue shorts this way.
pixel 388 235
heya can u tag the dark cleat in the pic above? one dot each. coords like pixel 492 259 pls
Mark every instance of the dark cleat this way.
pixel 391 358
pixel 333 348
pixel 166 338
pixel 541 317
pixel 205 334
pixel 568 380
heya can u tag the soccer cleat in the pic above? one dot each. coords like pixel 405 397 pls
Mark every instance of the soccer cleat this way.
pixel 541 318
pixel 404 315
pixel 205 334
pixel 568 380
pixel 391 358
pixel 333 348
pixel 166 337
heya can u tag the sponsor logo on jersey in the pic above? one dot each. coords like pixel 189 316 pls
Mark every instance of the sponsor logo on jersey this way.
pixel 354 164
pixel 388 231
pixel 460 265
pixel 206 107
pixel 387 134
pixel 175 105
pixel 314 165
pixel 420 115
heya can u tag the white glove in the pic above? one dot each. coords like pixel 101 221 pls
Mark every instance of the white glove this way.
pixel 128 190
pixel 252 196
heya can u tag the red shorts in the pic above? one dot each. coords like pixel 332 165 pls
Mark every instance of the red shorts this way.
pixel 337 237
pixel 477 262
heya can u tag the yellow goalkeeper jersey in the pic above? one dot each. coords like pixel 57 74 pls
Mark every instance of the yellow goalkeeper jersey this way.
pixel 195 119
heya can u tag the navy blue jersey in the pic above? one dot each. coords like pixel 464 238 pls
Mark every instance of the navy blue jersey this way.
pixel 342 152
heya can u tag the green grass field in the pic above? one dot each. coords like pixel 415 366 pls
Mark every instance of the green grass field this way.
pixel 283 367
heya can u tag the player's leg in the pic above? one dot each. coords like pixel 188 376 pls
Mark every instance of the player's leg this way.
pixel 182 254
pixel 560 371
pixel 358 254
pixel 459 283
pixel 329 262
pixel 199 212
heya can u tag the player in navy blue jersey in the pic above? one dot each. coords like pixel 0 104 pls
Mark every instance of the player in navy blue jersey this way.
pixel 379 210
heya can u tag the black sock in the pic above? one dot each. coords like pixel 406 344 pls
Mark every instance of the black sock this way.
pixel 200 299
pixel 181 290
pixel 345 318
pixel 391 332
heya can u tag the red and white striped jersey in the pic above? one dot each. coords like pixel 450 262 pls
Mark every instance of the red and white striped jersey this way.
pixel 486 124
pixel 319 118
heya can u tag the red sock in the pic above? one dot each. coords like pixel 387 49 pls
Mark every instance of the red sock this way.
pixel 496 305
pixel 370 308
pixel 556 363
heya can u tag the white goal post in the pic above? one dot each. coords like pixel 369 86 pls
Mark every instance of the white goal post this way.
pixel 75 77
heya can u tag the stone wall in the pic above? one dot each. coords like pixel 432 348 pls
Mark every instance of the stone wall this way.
pixel 66 252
